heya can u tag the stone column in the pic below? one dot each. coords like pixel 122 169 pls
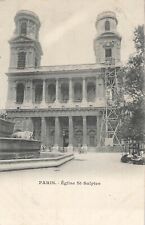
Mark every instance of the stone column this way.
pixel 31 91
pixel 57 92
pixel 99 121
pixel 98 130
pixel 84 133
pixel 56 141
pixel 43 130
pixel 70 133
pixel 13 57
pixel 43 93
pixel 25 94
pixel 96 88
pixel 100 92
pixel 84 99
pixel 14 94
pixel 70 91
pixel 101 88
pixel 11 94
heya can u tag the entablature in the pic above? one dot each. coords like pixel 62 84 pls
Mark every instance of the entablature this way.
pixel 55 112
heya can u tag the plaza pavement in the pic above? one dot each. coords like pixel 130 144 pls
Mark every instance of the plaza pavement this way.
pixel 92 189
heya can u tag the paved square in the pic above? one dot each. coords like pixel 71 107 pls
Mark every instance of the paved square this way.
pixel 118 199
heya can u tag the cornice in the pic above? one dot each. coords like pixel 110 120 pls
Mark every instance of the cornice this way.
pixel 61 69
pixel 33 113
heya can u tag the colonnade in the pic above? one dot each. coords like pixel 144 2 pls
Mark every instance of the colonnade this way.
pixel 57 130
pixel 29 88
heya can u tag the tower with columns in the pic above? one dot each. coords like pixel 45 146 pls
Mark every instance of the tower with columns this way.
pixel 61 105
pixel 25 48
pixel 108 41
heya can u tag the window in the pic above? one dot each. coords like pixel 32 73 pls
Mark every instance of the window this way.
pixel 21 60
pixel 108 52
pixel 20 93
pixel 23 28
pixel 107 25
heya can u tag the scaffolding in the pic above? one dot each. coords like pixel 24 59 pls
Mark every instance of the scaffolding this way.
pixel 110 118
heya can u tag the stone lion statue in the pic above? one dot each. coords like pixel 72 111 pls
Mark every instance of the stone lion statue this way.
pixel 23 135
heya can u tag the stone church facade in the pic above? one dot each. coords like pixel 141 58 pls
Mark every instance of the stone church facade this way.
pixel 62 105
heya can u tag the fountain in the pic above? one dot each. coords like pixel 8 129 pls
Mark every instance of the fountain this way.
pixel 20 153
pixel 15 148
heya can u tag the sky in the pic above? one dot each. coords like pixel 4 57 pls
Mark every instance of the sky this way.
pixel 67 30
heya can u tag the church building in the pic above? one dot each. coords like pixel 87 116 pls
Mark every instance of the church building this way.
pixel 62 105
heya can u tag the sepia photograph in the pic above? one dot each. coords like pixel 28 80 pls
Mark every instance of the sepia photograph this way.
pixel 72 112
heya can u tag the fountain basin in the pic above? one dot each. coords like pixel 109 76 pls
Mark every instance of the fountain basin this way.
pixel 6 128
pixel 54 160
pixel 13 148
pixel 18 145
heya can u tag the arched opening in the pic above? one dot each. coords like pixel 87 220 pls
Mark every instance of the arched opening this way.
pixel 38 93
pixel 23 28
pixel 107 25
pixel 78 92
pixel 20 93
pixel 91 92
pixel 21 60
pixel 51 93
pixel 64 92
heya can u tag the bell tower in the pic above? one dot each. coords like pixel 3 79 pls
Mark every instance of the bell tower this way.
pixel 108 41
pixel 25 48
